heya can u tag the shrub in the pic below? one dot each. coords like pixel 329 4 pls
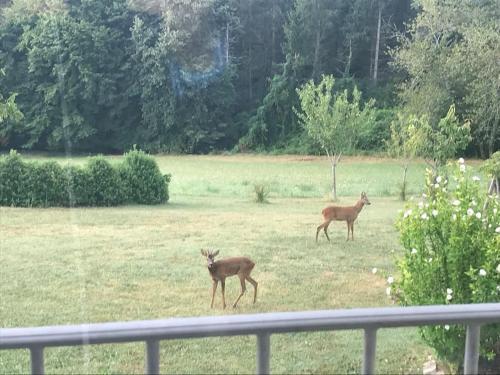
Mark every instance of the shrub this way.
pixel 373 134
pixel 261 193
pixel 46 184
pixel 76 186
pixel 138 180
pixel 104 185
pixel 13 180
pixel 143 181
pixel 451 242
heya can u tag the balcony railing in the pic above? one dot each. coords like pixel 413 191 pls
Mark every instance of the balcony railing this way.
pixel 261 325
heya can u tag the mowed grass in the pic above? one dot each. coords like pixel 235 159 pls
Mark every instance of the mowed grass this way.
pixel 70 266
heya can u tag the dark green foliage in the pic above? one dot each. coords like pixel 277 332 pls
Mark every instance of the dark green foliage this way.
pixel 46 184
pixel 99 183
pixel 104 185
pixel 372 135
pixel 76 188
pixel 142 178
pixel 179 76
pixel 14 174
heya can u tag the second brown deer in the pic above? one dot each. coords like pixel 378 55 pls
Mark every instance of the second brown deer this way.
pixel 347 214
pixel 221 269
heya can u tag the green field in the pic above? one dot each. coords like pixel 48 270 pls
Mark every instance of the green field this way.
pixel 62 266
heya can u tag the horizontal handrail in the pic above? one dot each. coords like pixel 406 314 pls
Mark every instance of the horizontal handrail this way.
pixel 247 324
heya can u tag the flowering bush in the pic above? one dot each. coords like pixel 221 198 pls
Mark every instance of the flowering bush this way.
pixel 451 242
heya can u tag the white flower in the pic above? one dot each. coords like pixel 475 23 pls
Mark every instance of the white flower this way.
pixel 495 211
pixel 447 327
pixel 474 203
pixel 462 167
pixel 374 270
pixel 476 178
pixel 444 190
pixel 414 251
pixel 436 186
pixel 438 179
pixel 454 217
pixel 429 260
pixel 478 215
pixel 434 212
pixel 424 195
pixel 390 279
pixel 482 272
pixel 449 297
pixel 461 160
pixel 497 230
pixel 388 291
pixel 420 204
pixel 407 213
pixel 470 211
pixel 498 268
pixel 456 202
pixel 424 216
pixel 449 291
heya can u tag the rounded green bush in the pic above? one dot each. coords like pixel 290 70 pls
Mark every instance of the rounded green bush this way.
pixel 451 242
pixel 104 185
pixel 142 178
pixel 46 184
pixel 76 186
pixel 14 174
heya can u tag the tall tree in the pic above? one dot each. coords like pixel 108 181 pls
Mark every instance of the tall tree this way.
pixel 450 56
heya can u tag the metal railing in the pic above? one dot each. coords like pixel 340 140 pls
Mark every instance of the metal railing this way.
pixel 261 325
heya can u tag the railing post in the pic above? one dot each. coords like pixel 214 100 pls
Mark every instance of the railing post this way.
pixel 152 357
pixel 263 352
pixel 36 354
pixel 370 345
pixel 471 358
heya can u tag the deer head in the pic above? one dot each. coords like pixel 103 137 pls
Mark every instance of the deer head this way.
pixel 210 255
pixel 364 198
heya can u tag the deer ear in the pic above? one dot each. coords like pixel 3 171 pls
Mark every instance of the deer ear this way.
pixel 215 253
pixel 203 252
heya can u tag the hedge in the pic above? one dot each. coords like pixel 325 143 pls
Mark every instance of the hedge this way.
pixel 98 183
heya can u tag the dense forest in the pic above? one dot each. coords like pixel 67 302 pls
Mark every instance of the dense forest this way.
pixel 195 76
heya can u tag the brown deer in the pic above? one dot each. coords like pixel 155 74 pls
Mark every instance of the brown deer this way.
pixel 348 214
pixel 221 269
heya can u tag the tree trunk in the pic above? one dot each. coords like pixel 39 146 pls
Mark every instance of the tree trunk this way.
pixel 317 43
pixel 334 189
pixel 403 188
pixel 377 46
pixel 227 43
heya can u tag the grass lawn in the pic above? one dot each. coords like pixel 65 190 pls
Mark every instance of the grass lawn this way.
pixel 62 266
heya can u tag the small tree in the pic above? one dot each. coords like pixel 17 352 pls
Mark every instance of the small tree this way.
pixel 331 119
pixel 406 135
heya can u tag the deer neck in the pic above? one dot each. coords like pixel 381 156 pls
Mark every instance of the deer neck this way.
pixel 359 206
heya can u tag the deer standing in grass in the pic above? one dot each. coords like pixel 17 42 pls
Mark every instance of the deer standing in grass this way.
pixel 348 214
pixel 221 269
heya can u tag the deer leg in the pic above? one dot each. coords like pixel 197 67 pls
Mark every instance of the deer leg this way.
pixel 352 230
pixel 223 285
pixel 348 229
pixel 243 289
pixel 254 283
pixel 214 288
pixel 318 229
pixel 325 229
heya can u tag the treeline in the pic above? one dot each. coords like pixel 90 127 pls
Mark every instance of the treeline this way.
pixel 200 75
